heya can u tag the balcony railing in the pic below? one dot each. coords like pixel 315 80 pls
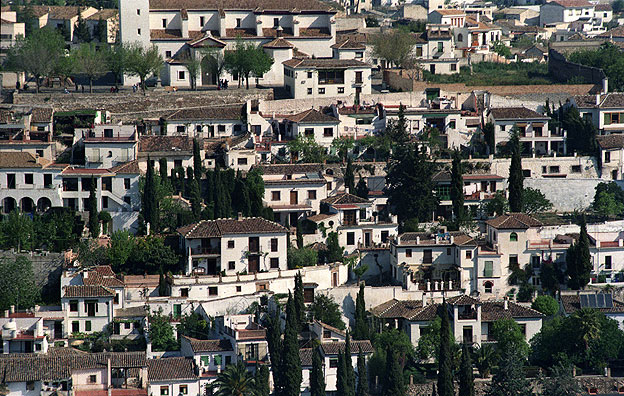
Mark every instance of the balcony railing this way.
pixel 206 250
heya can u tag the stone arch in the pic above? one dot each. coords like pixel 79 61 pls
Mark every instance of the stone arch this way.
pixel 43 204
pixel 460 38
pixel 9 204
pixel 27 205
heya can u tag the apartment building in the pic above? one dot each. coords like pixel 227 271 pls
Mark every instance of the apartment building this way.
pixel 177 150
pixel 10 29
pixel 108 145
pixel 172 376
pixel 435 49
pixel 210 356
pixel 233 246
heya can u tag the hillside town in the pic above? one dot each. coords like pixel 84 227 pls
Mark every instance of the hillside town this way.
pixel 311 198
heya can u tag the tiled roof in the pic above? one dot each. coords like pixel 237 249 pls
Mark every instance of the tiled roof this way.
pixel 515 113
pixel 42 114
pixel 344 198
pixel 165 143
pixel 349 44
pixel 104 14
pixel 397 309
pixel 325 63
pixel 572 303
pixel 174 368
pixel 87 291
pixel 462 300
pixel 603 7
pixel 101 276
pixel 305 355
pixel 278 43
pixel 220 227
pixel 289 169
pixel 230 112
pixel 131 168
pixel 514 221
pixel 572 3
pixel 332 328
pixel 55 12
pixel 220 345
pixel 615 32
pixel 450 12
pixel 286 5
pixel 312 116
pixel 494 310
pixel 428 239
pixel 18 160
pixel 608 101
pixel 610 141
pixel 313 32
pixel 131 312
pixel 332 348
pixel 166 34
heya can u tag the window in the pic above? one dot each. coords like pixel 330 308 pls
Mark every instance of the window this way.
pixel 321 91
pixel 502 127
pixel 384 236
pixel 139 32
pixel 167 54
pixel 274 244
pixel 408 252
pixel 127 325
pixel 308 132
pixel 309 91
pixel 608 262
pixel 138 11
pixel 329 186
pixel 340 90
pixel 326 333
pixel 164 390
pixel 231 265
pixel 28 178
pixel 180 129
pixel 513 237
pixel 202 21
pixel 419 51
pixel 333 363
pixel 47 180
pixel 309 74
pixel 212 291
pixel 526 172
pixel 275 22
pixel 311 194
pixel 238 289
pixel 440 46
pixel 230 245
pixel 184 389
pixel 87 325
pixel 513 261
pixel 73 305
pixel 274 262
pixel 328 132
pixel 128 200
pixel 181 75
pixel 75 327
pixel 331 76
pixel 488 286
pixel 468 254
pixel 452 124
pixel 488 269
pixel 553 169
pixel 350 238
pixel 358 77
pixel 30 385
pixel 238 22
pixel 105 202
pixel 39 152
pixel 359 55
pixel 127 183
pixel 184 292
pixel 275 196
pixel 164 23
pixel 221 128
pixel 607 157
pixel 242 161
pixel 427 256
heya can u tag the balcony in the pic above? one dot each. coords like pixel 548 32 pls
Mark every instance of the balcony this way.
pixel 206 251
pixel 470 314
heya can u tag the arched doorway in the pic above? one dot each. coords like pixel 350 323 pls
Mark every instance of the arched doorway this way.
pixel 27 205
pixel 8 205
pixel 209 70
pixel 43 204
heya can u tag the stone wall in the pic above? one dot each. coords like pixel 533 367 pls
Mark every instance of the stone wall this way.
pixel 566 195
pixel 47 268
pixel 563 70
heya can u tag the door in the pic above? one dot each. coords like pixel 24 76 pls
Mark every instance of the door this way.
pixel 367 238
pixel 254 264
pixel 293 198
pixel 432 69
pixel 349 217
pixel 254 244
pixel 209 71
pixel 58 329
pixel 467 334
pixel 211 266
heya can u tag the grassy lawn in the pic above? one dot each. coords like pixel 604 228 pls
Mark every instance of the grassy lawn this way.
pixel 489 73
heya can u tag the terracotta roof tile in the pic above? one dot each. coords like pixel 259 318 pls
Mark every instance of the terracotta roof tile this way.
pixel 332 348
pixel 515 113
pixel 131 168
pixel 302 5
pixel 289 169
pixel 230 112
pixel 42 114
pixel 324 63
pixel 166 34
pixel 513 221
pixel 349 44
pixel 174 368
pixel 87 291
pixel 305 355
pixel 220 227
pixel 494 310
pixel 220 345
pixel 312 116
pixel 165 144
pixel 279 43
pixel 572 303
pixel 608 101
pixel 612 141
pixel 345 198
pixel 572 3
pixel 18 160
pixel 104 14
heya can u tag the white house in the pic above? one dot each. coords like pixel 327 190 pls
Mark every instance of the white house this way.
pixel 612 155
pixel 172 376
pixel 313 124
pixel 23 334
pixel 565 11
pixel 87 309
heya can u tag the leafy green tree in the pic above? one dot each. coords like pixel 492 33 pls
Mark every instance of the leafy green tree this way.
pixel 485 359
pixel 17 283
pixel 317 377
pixel 235 380
pixel 516 178
pixel 37 54
pixel 262 381
pixel 445 364
pixel 466 377
pixel 304 257
pixel 618 6
pixel 193 66
pixel 64 68
pixel 534 201
pixel 326 310
pixel 101 31
pixel 394 46
pixel 578 260
pixel 143 62
pixel 193 325
pixel 362 375
pixel 498 204
pixel 161 333
pixel 394 384
pixel 247 60
pixel 501 49
pixel 509 378
pixel 508 336
pixel 118 60
pixel 17 231
pixel 149 205
pixel 149 255
pixel 342 146
pixel 546 305
pixel 334 251
pixel 94 222
pixel 606 204
pixel 122 243
pixel 409 184
pixel 307 150
pixel 300 309
pixel 361 189
pixel 290 365
pixel 349 177
pixel 561 382
pixel 457 187
pixel 81 30
pixel 360 331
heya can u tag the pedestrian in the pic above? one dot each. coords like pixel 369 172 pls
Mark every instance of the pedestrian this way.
pixel 82 86
pixel 134 88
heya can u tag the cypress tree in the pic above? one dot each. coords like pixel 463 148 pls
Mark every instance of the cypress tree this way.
pixel 300 310
pixel 81 30
pixel 516 179
pixel 342 383
pixel 162 284
pixel 349 374
pixel 262 381
pixel 360 331
pixel 274 340
pixel 466 377
pixel 240 196
pixel 509 379
pixel 393 384
pixel 149 197
pixel 349 177
pixel 197 161
pixel 317 377
pixel 445 364
pixel 94 222
pixel 578 260
pixel 162 169
pixel 457 188
pixel 362 384
pixel 361 189
pixel 195 198
pixel 209 194
pixel 290 376
pixel 217 192
pixel 189 180
pixel 181 180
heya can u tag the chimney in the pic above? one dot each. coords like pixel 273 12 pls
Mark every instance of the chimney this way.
pixel 240 216
pixel 506 304
pixel 85 275
pixel 605 85
pixel 620 242
pixel 597 99
pixel 424 299
pixel 6 313
pixel 12 309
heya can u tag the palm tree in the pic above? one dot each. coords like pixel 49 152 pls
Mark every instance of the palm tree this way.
pixel 588 325
pixel 484 359
pixel 235 380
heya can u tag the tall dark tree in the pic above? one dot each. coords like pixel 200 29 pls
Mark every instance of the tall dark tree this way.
pixel 394 384
pixel 509 379
pixel 360 330
pixel 342 382
pixel 101 31
pixel 488 135
pixel 240 197
pixel 361 189
pixel 274 340
pixel 81 30
pixel 445 356
pixel 197 161
pixel 350 375
pixel 290 366
pixel 516 178
pixel 349 177
pixel 300 310
pixel 162 169
pixel 457 187
pixel 466 376
pixel 317 377
pixel 410 185
pixel 578 260
pixel 149 205
pixel 362 382
pixel 262 381
pixel 94 222
pixel 195 198
pixel 396 131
